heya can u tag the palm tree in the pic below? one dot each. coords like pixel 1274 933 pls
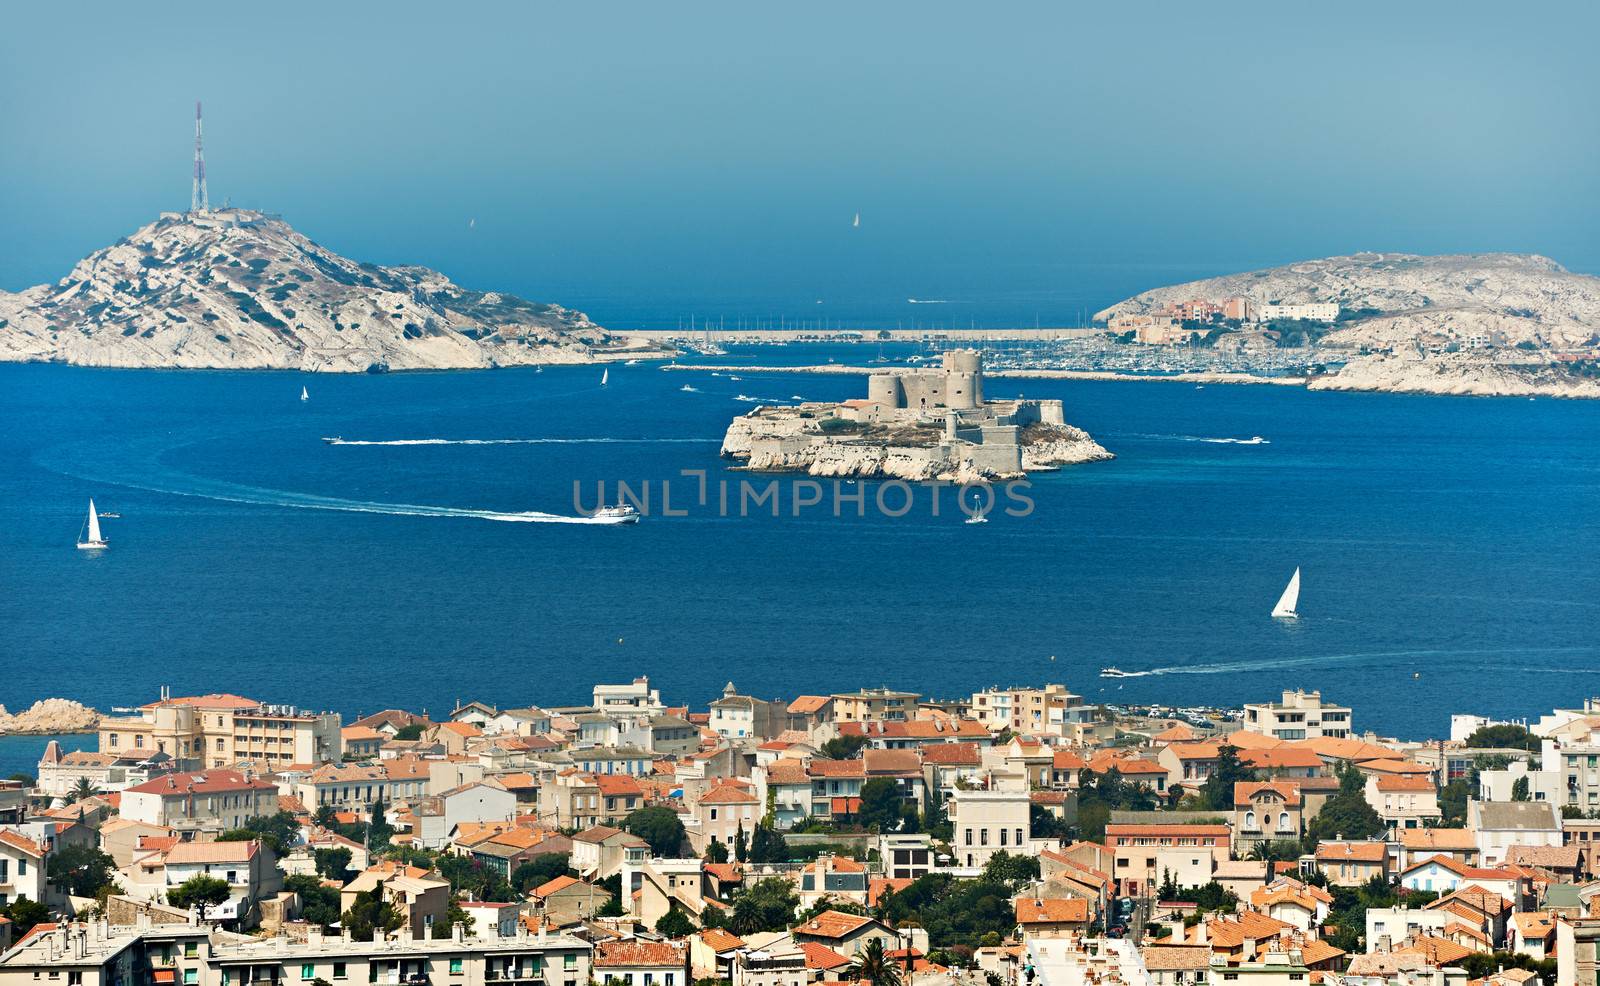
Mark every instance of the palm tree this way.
pixel 83 789
pixel 871 963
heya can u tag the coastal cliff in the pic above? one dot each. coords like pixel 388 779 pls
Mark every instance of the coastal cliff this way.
pixel 50 715
pixel 240 290
pixel 1459 374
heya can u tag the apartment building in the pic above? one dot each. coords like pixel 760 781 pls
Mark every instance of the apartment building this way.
pixel 875 705
pixel 1300 715
pixel 1029 711
pixel 635 697
pixel 1144 855
pixel 206 799
pixel 987 822
pixel 223 730
pixel 738 716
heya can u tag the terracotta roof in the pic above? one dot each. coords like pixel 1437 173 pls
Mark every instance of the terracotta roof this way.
pixel 212 852
pixel 1338 748
pixel 1171 958
pixel 726 872
pixel 404 768
pixel 1176 732
pixel 638 953
pixel 728 794
pixel 603 833
pixel 1545 857
pixel 878 885
pixel 790 772
pixel 360 733
pixel 820 956
pixel 1404 783
pixel 721 940
pixel 617 785
pixel 1534 924
pixel 1167 830
pixel 1402 767
pixel 549 887
pixel 21 843
pixel 832 924
pixel 1052 910
pixel 836 768
pixel 928 729
pixel 1279 757
pixel 216 701
pixel 1244 791
pixel 1438 951
pixel 1459 839
pixel 1360 852
pixel 202 782
pixel 807 704
pixel 1067 760
pixel 892 761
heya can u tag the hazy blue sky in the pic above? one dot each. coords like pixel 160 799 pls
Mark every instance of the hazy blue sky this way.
pixel 640 156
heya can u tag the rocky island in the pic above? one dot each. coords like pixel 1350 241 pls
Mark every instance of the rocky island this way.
pixel 49 715
pixel 914 425
pixel 241 290
pixel 1484 324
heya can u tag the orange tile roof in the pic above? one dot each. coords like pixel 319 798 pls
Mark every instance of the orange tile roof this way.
pixel 807 704
pixel 1052 910
pixel 1067 760
pixel 788 772
pixel 638 953
pixel 1244 791
pixel 617 785
pixel 21 843
pixel 728 794
pixel 1168 830
pixel 721 940
pixel 202 782
pixel 1438 951
pixel 836 768
pixel 1404 783
pixel 820 956
pixel 832 924
pixel 1359 852
pixel 549 887
pixel 1389 766
pixel 1279 757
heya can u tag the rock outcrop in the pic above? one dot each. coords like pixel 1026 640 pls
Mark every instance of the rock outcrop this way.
pixel 234 289
pixel 1459 373
pixel 1394 299
pixel 50 715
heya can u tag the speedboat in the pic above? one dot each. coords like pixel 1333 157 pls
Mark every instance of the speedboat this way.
pixel 622 513
pixel 331 439
pixel 1114 673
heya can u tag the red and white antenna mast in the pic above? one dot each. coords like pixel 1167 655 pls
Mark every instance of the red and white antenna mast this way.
pixel 198 200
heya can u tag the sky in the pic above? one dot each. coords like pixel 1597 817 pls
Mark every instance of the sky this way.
pixel 648 161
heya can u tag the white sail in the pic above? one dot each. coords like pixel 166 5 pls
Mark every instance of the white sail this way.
pixel 1290 599
pixel 303 395
pixel 858 220
pixel 605 375
pixel 94 524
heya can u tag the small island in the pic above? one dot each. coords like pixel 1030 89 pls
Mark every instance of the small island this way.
pixel 915 425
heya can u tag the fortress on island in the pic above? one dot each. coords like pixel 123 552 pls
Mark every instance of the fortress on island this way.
pixel 914 424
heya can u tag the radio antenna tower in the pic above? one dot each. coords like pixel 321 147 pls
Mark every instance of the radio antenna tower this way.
pixel 198 200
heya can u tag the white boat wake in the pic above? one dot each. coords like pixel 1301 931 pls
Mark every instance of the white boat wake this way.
pixel 760 400
pixel 1252 440
pixel 1241 667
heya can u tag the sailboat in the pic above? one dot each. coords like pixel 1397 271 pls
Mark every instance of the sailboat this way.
pixel 90 538
pixel 857 223
pixel 303 395
pixel 605 375
pixel 977 516
pixel 1285 610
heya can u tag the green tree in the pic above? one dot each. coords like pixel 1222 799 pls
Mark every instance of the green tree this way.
pixel 829 903
pixel 768 845
pixel 657 825
pixel 324 817
pixel 24 914
pixel 200 892
pixel 766 905
pixel 1228 771
pixel 881 805
pixel 83 789
pixel 455 914
pixel 319 904
pixel 1011 871
pixel 741 846
pixel 716 852
pixel 873 965
pixel 675 924
pixel 370 917
pixel 379 831
pixel 1506 736
pixel 1453 799
pixel 333 863
pixel 540 870
pixel 409 734
pixel 1520 790
pixel 843 747
pixel 469 876
pixel 79 870
pixel 1346 815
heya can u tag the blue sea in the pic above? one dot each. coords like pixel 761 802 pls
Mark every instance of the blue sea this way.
pixel 1448 547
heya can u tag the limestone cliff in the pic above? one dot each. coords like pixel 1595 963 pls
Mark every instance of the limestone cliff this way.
pixel 234 289
pixel 1459 373
pixel 1395 299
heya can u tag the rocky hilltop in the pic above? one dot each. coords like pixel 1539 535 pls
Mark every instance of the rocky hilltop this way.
pixel 1464 374
pixel 1396 299
pixel 234 289
pixel 50 715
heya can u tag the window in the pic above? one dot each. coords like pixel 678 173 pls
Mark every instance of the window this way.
pixel 569 961
pixel 191 949
pixel 455 967
pixel 969 837
pixel 338 970
pixel 308 971
pixel 1003 834
pixel 191 976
